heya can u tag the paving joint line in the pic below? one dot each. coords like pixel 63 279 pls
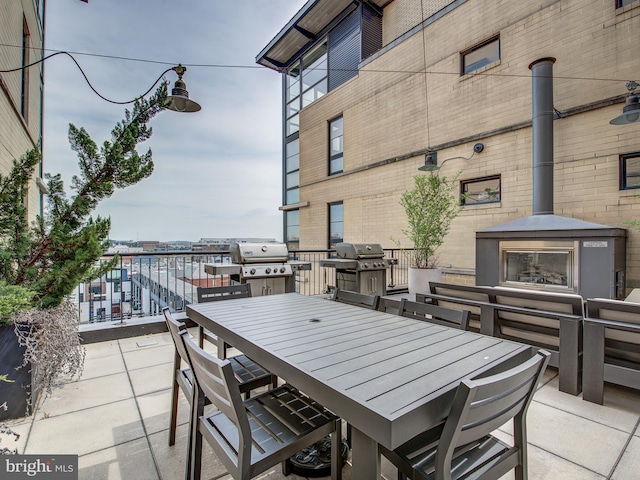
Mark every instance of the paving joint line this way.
pixel 144 427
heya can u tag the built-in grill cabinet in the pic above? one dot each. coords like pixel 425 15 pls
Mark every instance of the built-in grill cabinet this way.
pixel 265 266
pixel 360 267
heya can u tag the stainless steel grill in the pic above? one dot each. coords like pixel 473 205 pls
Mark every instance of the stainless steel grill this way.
pixel 265 266
pixel 360 267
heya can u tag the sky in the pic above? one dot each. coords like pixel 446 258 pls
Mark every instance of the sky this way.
pixel 218 171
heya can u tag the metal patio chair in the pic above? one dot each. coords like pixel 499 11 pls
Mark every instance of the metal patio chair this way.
pixel 216 294
pixel 434 314
pixel 355 298
pixel 254 376
pixel 250 375
pixel 253 435
pixel 463 447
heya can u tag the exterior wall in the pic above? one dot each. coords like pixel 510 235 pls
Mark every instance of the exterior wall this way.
pixel 389 118
pixel 17 136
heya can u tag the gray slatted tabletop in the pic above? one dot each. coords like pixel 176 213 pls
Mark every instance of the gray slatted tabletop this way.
pixel 390 377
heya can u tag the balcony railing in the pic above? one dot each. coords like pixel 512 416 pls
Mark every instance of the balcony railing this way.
pixel 143 283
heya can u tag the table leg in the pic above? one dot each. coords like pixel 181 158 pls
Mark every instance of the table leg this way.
pixel 365 459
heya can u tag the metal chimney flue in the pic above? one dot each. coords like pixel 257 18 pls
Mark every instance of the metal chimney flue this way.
pixel 542 126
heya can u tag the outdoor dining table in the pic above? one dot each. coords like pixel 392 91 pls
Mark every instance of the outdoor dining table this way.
pixel 389 377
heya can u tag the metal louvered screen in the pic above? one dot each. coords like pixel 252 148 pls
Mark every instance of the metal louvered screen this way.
pixel 371 32
pixel 344 50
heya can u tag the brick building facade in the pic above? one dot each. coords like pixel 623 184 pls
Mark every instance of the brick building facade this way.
pixel 443 76
pixel 22 39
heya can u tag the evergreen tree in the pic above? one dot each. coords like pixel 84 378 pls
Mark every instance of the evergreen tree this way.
pixel 63 249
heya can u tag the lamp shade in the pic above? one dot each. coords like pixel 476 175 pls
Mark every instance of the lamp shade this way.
pixel 630 112
pixel 179 99
pixel 430 162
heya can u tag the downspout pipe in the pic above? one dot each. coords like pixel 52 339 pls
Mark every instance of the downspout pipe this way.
pixel 542 132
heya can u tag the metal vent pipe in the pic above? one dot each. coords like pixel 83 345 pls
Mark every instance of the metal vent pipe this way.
pixel 542 132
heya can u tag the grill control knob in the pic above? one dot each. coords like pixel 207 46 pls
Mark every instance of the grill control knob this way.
pixel 268 270
pixel 252 271
pixel 282 269
pixel 365 265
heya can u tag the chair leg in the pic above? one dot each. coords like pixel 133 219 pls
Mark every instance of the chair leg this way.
pixel 174 399
pixel 174 412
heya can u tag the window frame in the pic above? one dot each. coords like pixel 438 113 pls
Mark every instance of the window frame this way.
pixel 622 169
pixel 475 48
pixel 336 156
pixel 294 100
pixel 292 244
pixel 465 183
pixel 288 172
pixel 623 3
pixel 331 242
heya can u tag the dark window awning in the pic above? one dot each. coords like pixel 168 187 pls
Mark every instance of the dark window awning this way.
pixel 304 28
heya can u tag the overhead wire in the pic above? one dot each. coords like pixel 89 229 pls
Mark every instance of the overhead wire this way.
pixel 255 67
pixel 86 78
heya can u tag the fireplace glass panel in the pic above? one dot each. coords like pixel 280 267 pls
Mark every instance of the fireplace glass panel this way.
pixel 540 266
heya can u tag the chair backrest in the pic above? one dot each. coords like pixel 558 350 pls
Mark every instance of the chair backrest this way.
pixel 464 292
pixel 216 381
pixel 355 298
pixel 481 406
pixel 214 294
pixel 388 306
pixel 619 343
pixel 434 314
pixel 176 328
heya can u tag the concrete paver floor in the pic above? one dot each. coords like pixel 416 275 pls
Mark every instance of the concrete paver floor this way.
pixel 116 419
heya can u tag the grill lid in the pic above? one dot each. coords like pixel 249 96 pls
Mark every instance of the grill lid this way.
pixel 359 250
pixel 258 252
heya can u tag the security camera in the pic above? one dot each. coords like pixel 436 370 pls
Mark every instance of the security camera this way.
pixel 478 147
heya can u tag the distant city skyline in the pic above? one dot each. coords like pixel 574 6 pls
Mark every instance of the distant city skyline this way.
pixel 217 172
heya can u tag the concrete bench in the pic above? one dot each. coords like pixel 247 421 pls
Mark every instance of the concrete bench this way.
pixel 548 320
pixel 611 346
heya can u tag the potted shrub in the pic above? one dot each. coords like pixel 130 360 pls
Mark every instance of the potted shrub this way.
pixel 430 207
pixel 15 381
pixel 43 262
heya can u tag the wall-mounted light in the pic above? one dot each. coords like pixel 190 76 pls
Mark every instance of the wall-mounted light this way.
pixel 430 162
pixel 179 98
pixel 631 109
pixel 431 159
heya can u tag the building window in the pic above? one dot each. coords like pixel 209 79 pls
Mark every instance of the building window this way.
pixel 24 92
pixel 336 146
pixel 293 100
pixel 336 223
pixel 314 74
pixel 481 55
pixel 292 172
pixel 292 219
pixel 481 190
pixel 630 171
pixel 306 81
pixel 623 3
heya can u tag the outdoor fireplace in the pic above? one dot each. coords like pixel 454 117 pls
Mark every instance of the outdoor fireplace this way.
pixel 546 251
pixel 553 253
